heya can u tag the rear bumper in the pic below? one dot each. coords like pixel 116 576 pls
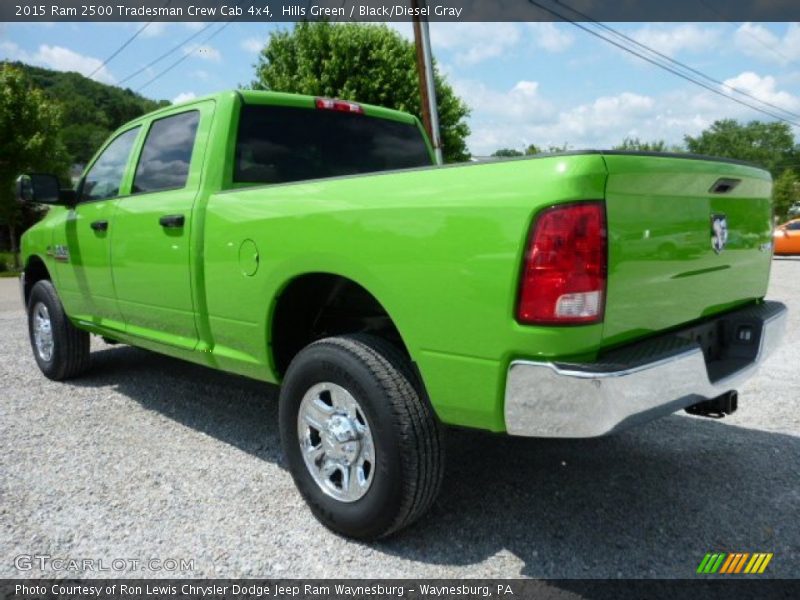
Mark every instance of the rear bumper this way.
pixel 640 382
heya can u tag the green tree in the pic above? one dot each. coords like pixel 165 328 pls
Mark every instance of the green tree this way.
pixel 506 153
pixel 769 145
pixel 366 63
pixel 785 192
pixel 553 149
pixel 90 110
pixel 634 144
pixel 529 151
pixel 30 141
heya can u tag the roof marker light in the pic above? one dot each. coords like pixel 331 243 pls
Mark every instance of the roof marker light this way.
pixel 338 105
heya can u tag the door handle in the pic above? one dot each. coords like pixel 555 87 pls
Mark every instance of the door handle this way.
pixel 99 225
pixel 172 221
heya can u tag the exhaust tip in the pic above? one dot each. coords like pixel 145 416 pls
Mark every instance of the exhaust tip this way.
pixel 718 407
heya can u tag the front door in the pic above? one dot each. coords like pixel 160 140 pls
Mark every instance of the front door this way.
pixel 81 244
pixel 151 242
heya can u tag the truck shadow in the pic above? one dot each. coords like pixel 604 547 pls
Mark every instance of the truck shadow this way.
pixel 644 503
pixel 236 410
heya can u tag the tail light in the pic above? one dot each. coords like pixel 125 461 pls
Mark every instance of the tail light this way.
pixel 339 105
pixel 564 273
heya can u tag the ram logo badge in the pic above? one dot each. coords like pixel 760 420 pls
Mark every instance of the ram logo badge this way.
pixel 719 232
pixel 58 252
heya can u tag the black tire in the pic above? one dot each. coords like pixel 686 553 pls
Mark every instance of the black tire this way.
pixel 70 350
pixel 408 439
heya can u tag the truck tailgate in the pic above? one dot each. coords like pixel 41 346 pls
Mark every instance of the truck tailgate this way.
pixel 665 216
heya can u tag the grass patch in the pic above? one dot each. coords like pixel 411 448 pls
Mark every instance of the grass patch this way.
pixel 7 265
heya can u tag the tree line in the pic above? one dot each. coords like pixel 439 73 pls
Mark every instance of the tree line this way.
pixel 768 145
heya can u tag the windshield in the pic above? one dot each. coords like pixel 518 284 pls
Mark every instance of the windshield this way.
pixel 278 144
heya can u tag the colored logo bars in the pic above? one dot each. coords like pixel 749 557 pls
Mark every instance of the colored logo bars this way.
pixel 736 562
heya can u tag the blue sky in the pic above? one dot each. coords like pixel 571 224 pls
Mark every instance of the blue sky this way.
pixel 542 83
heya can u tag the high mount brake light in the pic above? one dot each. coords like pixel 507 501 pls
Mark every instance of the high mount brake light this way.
pixel 338 105
pixel 565 266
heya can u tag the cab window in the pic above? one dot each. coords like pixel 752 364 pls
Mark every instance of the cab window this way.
pixel 167 153
pixel 280 144
pixel 104 178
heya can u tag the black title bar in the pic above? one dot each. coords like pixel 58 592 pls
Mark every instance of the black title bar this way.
pixel 399 10
pixel 708 588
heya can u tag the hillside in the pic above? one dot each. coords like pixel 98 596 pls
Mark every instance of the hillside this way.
pixel 91 110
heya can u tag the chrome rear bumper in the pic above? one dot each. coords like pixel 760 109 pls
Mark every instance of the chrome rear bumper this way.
pixel 640 382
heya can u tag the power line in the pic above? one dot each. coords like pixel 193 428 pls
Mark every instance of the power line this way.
pixel 125 44
pixel 661 65
pixel 182 58
pixel 679 64
pixel 166 54
pixel 120 49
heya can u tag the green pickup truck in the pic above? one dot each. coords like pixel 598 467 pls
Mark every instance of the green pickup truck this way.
pixel 311 242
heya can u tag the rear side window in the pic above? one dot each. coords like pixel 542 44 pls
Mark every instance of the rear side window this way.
pixel 793 226
pixel 277 144
pixel 104 178
pixel 167 153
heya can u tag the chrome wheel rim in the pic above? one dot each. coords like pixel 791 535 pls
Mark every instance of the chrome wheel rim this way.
pixel 336 442
pixel 42 332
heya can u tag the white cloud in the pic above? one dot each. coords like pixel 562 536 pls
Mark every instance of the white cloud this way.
pixel 591 121
pixel 205 52
pixel 503 118
pixel 184 97
pixel 550 37
pixel 252 44
pixel 521 102
pixel 759 42
pixel 472 43
pixel 475 42
pixel 59 59
pixel 64 59
pixel 674 39
pixel 763 88
pixel 605 121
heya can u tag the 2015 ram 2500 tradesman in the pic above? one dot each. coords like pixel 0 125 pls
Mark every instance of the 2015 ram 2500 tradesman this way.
pixel 311 242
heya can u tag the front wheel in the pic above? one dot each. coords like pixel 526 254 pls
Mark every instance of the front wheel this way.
pixel 364 448
pixel 61 350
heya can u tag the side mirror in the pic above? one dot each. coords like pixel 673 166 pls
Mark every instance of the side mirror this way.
pixel 43 188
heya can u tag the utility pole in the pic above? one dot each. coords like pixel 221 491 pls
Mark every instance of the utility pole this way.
pixel 427 92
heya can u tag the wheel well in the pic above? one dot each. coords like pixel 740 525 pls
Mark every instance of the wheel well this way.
pixel 320 305
pixel 35 271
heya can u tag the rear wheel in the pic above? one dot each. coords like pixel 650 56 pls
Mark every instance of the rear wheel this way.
pixel 61 350
pixel 363 446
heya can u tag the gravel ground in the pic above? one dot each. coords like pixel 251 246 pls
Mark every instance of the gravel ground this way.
pixel 149 457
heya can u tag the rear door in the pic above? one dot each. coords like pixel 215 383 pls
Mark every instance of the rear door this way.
pixel 153 228
pixel 688 238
